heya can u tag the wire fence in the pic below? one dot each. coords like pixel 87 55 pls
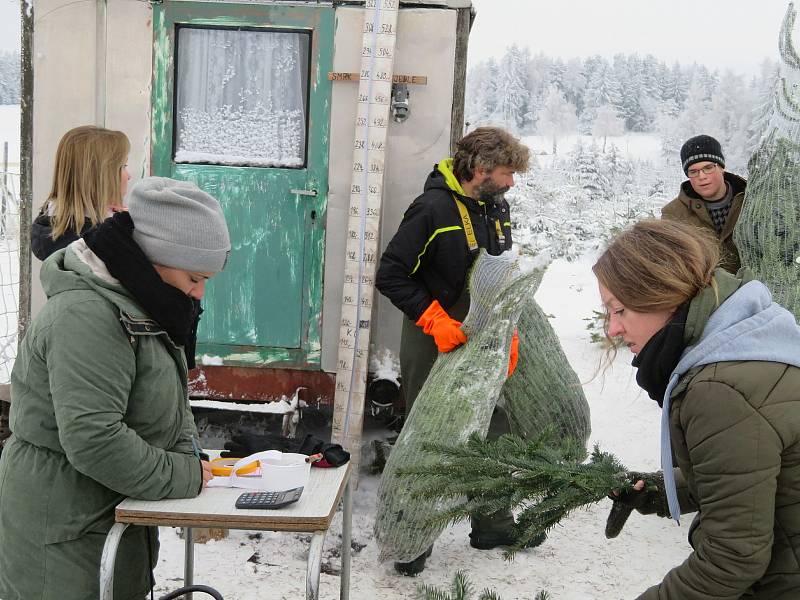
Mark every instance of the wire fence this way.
pixel 9 270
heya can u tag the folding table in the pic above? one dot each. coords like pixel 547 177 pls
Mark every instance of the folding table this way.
pixel 214 507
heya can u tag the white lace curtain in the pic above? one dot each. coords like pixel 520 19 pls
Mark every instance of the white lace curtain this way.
pixel 241 97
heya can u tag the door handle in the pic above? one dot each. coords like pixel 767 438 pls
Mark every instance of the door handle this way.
pixel 304 192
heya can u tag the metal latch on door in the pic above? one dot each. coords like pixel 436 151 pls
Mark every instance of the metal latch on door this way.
pixel 304 192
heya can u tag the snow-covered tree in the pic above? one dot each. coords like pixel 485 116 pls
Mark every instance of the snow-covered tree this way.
pixel 763 88
pixel 731 108
pixel 482 82
pixel 676 86
pixel 606 123
pixel 513 98
pixel 9 78
pixel 603 88
pixel 556 117
pixel 694 118
pixel 675 101
pixel 588 169
pixel 573 83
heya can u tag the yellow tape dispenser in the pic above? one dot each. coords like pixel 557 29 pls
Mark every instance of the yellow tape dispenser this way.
pixel 221 467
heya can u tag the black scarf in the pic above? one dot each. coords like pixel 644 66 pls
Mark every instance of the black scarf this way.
pixel 660 355
pixel 112 241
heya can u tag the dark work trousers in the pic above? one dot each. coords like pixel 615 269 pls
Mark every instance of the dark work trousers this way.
pixel 418 352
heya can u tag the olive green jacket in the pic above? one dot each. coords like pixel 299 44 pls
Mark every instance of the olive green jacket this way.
pixel 688 207
pixel 735 431
pixel 99 411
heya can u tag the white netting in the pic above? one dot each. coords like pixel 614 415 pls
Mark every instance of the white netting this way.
pixel 768 231
pixel 458 398
pixel 545 391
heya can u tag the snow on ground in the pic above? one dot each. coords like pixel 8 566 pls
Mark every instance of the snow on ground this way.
pixel 576 562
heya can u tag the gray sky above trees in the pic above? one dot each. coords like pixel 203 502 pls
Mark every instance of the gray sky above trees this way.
pixel 9 25
pixel 735 34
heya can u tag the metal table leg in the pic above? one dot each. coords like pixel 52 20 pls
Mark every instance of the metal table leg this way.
pixel 188 566
pixel 108 559
pixel 347 529
pixel 314 565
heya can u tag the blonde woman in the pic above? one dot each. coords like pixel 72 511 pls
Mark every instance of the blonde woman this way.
pixel 723 362
pixel 89 182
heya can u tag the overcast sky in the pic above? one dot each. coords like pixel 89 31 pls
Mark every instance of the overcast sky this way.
pixel 9 25
pixel 736 34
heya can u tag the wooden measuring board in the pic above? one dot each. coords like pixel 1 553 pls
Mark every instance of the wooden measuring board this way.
pixel 366 191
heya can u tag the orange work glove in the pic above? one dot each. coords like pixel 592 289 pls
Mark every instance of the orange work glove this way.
pixel 513 355
pixel 445 330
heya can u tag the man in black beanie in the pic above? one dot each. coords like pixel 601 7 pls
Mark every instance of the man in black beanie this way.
pixel 710 198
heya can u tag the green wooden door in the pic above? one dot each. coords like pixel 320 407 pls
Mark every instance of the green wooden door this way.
pixel 241 103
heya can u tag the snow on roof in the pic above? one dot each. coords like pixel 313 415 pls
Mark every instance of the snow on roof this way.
pixel 448 3
pixel 411 3
pixel 404 3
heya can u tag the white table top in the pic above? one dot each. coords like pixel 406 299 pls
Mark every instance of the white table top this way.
pixel 215 507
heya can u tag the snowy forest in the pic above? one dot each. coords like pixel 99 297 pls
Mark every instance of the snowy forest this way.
pixel 9 78
pixel 576 114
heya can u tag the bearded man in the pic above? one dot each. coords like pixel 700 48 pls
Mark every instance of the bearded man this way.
pixel 425 267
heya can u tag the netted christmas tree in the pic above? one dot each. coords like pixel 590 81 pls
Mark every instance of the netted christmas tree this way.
pixel 463 388
pixel 457 399
pixel 767 233
pixel 544 392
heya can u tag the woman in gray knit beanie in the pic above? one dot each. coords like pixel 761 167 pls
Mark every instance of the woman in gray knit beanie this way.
pixel 100 409
pixel 181 229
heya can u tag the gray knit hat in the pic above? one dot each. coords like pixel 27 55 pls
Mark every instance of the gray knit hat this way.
pixel 178 225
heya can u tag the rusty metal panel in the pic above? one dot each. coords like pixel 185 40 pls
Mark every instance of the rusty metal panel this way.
pixel 259 384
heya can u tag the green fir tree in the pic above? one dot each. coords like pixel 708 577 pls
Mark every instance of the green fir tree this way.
pixel 461 589
pixel 545 479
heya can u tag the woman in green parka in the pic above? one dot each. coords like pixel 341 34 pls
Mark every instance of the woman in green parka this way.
pixel 99 400
pixel 723 362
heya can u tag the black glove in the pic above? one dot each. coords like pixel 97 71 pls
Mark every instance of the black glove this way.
pixel 333 455
pixel 651 499
pixel 244 444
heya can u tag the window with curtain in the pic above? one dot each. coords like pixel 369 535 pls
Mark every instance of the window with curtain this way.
pixel 241 97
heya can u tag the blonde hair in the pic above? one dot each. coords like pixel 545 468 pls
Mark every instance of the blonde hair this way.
pixel 488 148
pixel 657 265
pixel 87 177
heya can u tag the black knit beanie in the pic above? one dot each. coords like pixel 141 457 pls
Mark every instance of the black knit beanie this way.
pixel 701 148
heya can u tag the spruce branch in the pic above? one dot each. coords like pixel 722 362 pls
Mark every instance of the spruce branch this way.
pixel 461 589
pixel 546 479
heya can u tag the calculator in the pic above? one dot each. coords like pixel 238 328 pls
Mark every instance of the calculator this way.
pixel 268 500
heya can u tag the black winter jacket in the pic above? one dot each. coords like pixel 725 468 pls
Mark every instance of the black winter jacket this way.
pixel 43 245
pixel 429 257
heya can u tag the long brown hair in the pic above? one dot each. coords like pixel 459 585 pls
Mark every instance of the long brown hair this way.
pixel 657 265
pixel 87 177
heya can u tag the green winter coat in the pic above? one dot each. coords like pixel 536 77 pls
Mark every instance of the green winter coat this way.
pixel 688 207
pixel 99 412
pixel 735 431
